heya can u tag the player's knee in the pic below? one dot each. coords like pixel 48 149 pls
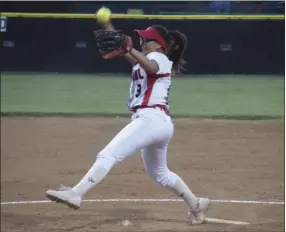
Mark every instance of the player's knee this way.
pixel 161 179
pixel 106 160
pixel 165 179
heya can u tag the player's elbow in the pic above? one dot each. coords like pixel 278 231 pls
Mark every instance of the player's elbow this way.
pixel 150 70
pixel 151 67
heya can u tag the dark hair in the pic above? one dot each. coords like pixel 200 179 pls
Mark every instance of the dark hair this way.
pixel 177 44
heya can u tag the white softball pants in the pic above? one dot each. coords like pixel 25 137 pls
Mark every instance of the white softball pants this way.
pixel 149 132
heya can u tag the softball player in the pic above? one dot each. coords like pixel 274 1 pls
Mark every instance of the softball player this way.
pixel 151 128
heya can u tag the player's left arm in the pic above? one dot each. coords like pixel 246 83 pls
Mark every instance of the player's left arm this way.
pixel 127 56
pixel 111 43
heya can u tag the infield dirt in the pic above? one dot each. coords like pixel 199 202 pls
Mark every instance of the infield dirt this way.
pixel 220 159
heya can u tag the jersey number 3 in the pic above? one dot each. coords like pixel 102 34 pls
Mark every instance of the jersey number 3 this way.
pixel 139 90
pixel 137 76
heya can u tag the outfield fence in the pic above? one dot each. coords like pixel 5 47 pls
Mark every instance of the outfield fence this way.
pixel 145 16
pixel 218 44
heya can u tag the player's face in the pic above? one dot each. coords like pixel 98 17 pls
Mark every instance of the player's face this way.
pixel 148 45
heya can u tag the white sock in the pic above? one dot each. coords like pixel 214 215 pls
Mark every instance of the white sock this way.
pixel 182 190
pixel 95 174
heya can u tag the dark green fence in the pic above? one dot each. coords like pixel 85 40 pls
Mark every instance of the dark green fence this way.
pixel 215 46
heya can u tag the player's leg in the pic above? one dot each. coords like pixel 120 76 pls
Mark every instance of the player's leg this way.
pixel 155 162
pixel 140 133
pixel 128 141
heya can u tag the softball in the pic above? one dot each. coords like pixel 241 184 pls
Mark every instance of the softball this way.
pixel 103 15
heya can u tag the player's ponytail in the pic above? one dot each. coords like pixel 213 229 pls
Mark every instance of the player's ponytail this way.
pixel 177 44
pixel 177 49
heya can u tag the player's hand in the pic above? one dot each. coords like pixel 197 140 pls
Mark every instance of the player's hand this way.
pixel 112 43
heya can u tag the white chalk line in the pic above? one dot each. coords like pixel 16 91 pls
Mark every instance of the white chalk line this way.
pixel 217 220
pixel 149 200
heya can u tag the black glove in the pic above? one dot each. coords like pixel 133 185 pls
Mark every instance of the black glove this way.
pixel 112 43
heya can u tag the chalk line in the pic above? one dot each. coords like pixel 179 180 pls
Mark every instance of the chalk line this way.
pixel 217 220
pixel 148 200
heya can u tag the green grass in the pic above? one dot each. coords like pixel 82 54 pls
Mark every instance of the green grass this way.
pixel 245 97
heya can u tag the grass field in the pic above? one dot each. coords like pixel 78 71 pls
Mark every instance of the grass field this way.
pixel 199 96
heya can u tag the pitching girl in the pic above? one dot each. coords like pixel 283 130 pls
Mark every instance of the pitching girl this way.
pixel 151 127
